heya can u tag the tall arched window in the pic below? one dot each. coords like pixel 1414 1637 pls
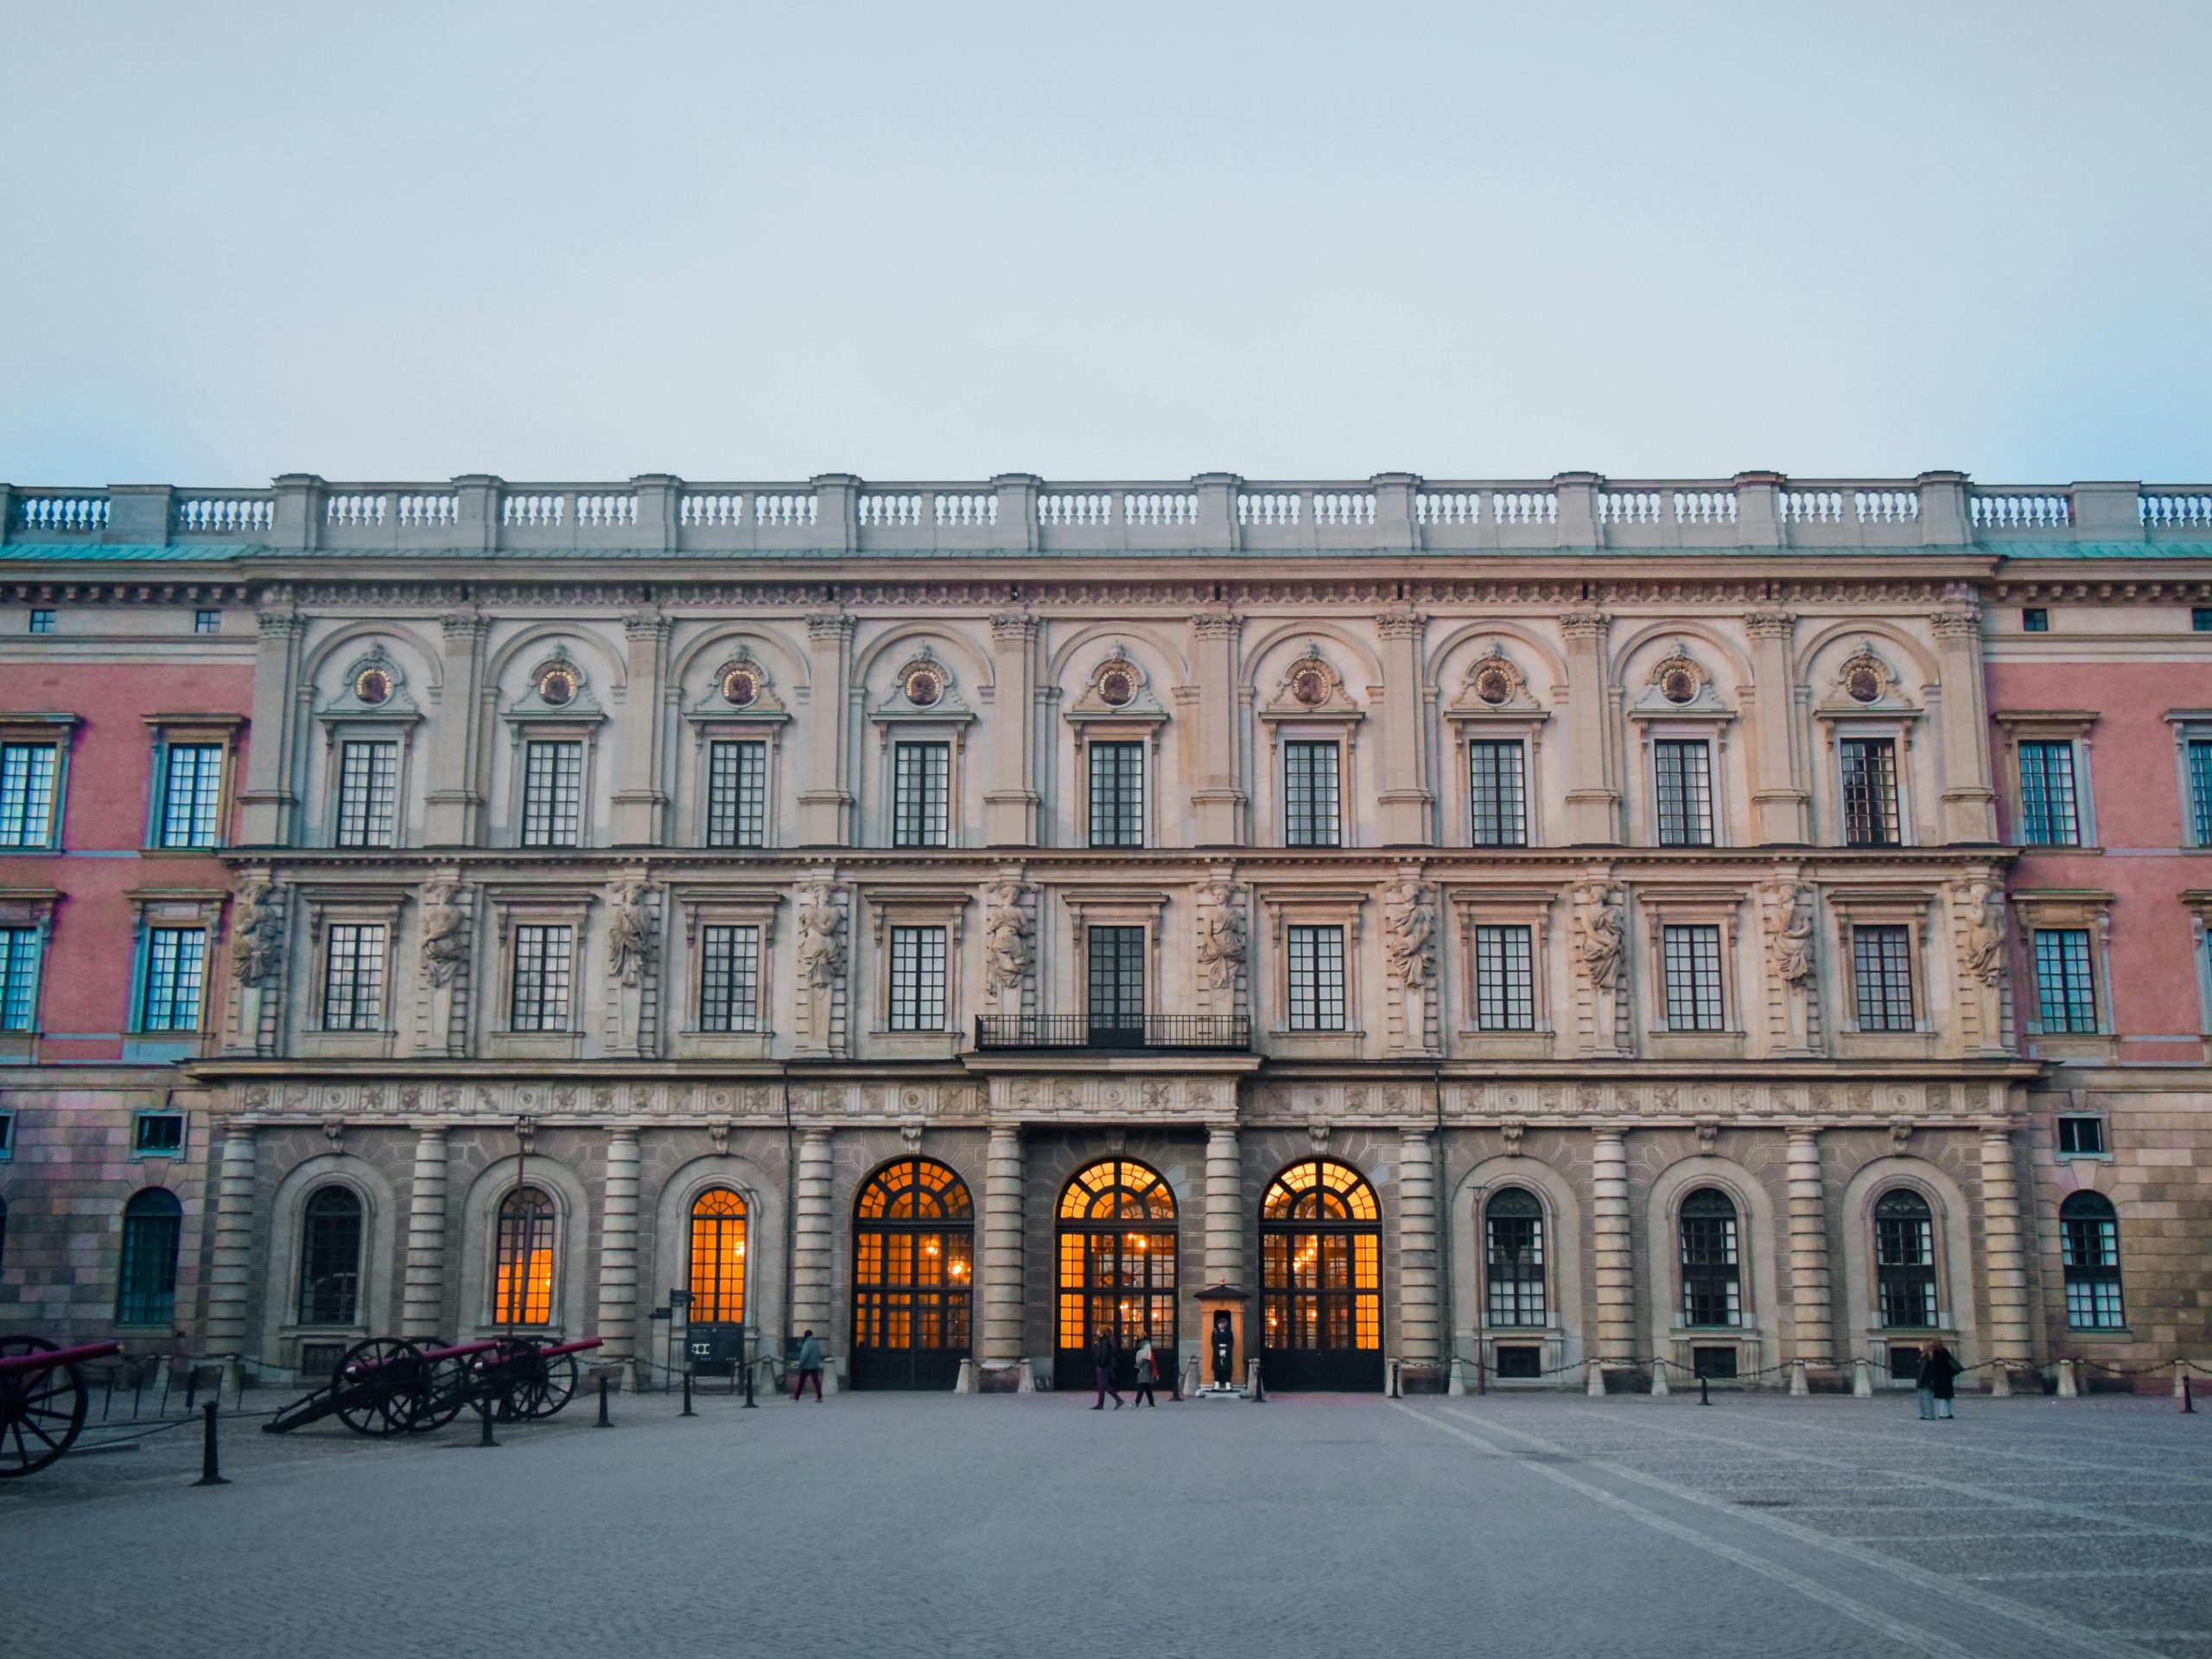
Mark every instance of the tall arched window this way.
pixel 1321 1279
pixel 522 1291
pixel 330 1256
pixel 914 1237
pixel 2088 1233
pixel 145 1291
pixel 718 1258
pixel 1904 1260
pixel 1713 1271
pixel 1117 1266
pixel 1513 1223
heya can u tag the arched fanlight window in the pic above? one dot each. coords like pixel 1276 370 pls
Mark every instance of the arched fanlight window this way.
pixel 1712 1274
pixel 330 1256
pixel 522 1285
pixel 718 1258
pixel 2089 1248
pixel 1117 1266
pixel 145 1291
pixel 1320 1278
pixel 1513 1224
pixel 1904 1260
pixel 914 1239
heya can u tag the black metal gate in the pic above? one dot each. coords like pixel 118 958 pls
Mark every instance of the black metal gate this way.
pixel 1320 1280
pixel 913 1275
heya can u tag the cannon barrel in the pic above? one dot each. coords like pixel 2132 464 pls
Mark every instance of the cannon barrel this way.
pixel 49 1358
pixel 572 1347
pixel 458 1351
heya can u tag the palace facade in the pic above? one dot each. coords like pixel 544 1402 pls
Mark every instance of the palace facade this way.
pixel 1523 933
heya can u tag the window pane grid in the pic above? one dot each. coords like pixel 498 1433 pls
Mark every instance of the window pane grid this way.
pixel 1505 994
pixel 175 962
pixel 1870 791
pixel 2089 1249
pixel 737 795
pixel 330 1258
pixel 19 953
pixel 191 791
pixel 523 1291
pixel 543 962
pixel 1310 804
pixel 1882 968
pixel 1692 963
pixel 552 794
pixel 146 1282
pixel 353 980
pixel 2048 806
pixel 1685 777
pixel 1116 989
pixel 1516 1252
pixel 1497 787
pixel 1904 1260
pixel 2066 991
pixel 1316 978
pixel 27 772
pixel 1711 1273
pixel 729 979
pixel 1117 794
pixel 917 978
pixel 920 794
pixel 2200 789
pixel 368 794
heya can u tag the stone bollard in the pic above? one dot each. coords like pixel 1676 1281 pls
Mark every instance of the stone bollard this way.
pixel 1596 1387
pixel 965 1383
pixel 2068 1388
pixel 1659 1378
pixel 1798 1384
pixel 1456 1383
pixel 1025 1378
pixel 1862 1378
pixel 2000 1381
pixel 1193 1382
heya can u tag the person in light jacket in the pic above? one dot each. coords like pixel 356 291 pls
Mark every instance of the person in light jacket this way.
pixel 1147 1374
pixel 1102 1358
pixel 809 1365
pixel 1937 1368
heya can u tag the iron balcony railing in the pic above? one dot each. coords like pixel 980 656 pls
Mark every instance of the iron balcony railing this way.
pixel 1185 1031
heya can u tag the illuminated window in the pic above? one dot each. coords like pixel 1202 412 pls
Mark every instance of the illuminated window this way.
pixel 522 1292
pixel 330 1257
pixel 1904 1260
pixel 913 1276
pixel 718 1258
pixel 1513 1224
pixel 2088 1232
pixel 1320 1278
pixel 1117 1265
pixel 146 1290
pixel 1712 1274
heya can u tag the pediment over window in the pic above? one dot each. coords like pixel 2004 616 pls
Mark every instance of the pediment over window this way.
pixel 1118 690
pixel 1311 689
pixel 741 689
pixel 1864 685
pixel 373 689
pixel 558 691
pixel 1493 687
pixel 1680 687
pixel 923 690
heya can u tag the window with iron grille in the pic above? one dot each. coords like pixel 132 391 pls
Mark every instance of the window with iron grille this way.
pixel 368 794
pixel 1881 962
pixel 175 965
pixel 1713 1274
pixel 1497 786
pixel 921 783
pixel 1904 1260
pixel 352 977
pixel 1505 993
pixel 1683 767
pixel 27 779
pixel 2089 1251
pixel 2081 1137
pixel 2200 790
pixel 737 794
pixel 543 962
pixel 19 956
pixel 1513 1224
pixel 1117 794
pixel 1316 974
pixel 552 793
pixel 1692 952
pixel 917 979
pixel 1115 980
pixel 2066 987
pixel 2049 809
pixel 192 794
pixel 330 1256
pixel 146 1288
pixel 730 978
pixel 1870 791
pixel 1310 808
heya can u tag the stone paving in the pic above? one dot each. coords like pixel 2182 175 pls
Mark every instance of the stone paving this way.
pixel 1032 1526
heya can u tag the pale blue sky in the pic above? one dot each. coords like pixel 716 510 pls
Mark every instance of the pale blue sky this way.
pixel 561 242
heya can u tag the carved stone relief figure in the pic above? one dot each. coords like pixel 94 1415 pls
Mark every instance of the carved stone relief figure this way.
pixel 257 919
pixel 821 936
pixel 1985 944
pixel 1598 932
pixel 1409 931
pixel 1220 932
pixel 445 932
pixel 629 933
pixel 1790 931
pixel 1007 947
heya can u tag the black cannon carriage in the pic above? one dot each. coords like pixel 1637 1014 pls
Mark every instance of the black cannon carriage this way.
pixel 390 1385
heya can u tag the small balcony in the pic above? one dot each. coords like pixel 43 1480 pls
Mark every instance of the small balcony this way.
pixel 1189 1032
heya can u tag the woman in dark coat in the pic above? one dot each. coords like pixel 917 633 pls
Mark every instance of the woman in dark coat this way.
pixel 1937 1368
pixel 1102 1359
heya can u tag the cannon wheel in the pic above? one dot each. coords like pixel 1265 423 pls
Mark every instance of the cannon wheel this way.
pixel 446 1389
pixel 41 1412
pixel 380 1385
pixel 539 1386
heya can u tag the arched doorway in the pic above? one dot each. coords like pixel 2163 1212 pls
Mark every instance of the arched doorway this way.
pixel 714 1335
pixel 1116 1268
pixel 914 1237
pixel 1321 1279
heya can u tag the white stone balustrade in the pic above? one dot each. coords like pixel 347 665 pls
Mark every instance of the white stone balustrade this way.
pixel 1164 509
pixel 64 512
pixel 783 512
pixel 890 512
pixel 429 511
pixel 1074 511
pixel 1524 507
pixel 531 510
pixel 351 511
pixel 226 515
pixel 2021 510
pixel 2175 509
pixel 711 511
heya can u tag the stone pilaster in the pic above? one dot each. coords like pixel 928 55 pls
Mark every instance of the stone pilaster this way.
pixel 1417 1265
pixel 1217 801
pixel 1593 801
pixel 2004 1249
pixel 1224 1207
pixel 454 808
pixel 813 1239
pixel 423 1298
pixel 825 801
pixel 229 1287
pixel 618 1246
pixel 640 805
pixel 1010 797
pixel 1615 1252
pixel 269 806
pixel 1809 1292
pixel 1407 803
pixel 1969 797
pixel 1002 1222
pixel 1778 800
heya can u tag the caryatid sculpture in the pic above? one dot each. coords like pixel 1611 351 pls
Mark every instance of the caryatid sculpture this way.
pixel 1007 947
pixel 1221 943
pixel 1597 933
pixel 1409 931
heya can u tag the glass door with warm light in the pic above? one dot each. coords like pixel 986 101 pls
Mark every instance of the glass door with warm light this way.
pixel 1320 1280
pixel 1116 1271
pixel 913 1275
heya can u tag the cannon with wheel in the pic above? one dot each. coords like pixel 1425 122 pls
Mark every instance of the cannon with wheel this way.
pixel 386 1385
pixel 42 1400
pixel 530 1377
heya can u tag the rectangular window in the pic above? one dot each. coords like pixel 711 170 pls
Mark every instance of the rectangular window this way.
pixel 737 794
pixel 1311 810
pixel 352 977
pixel 157 1134
pixel 917 977
pixel 2048 813
pixel 7 1134
pixel 2081 1137
pixel 1505 996
pixel 2200 790
pixel 1117 794
pixel 19 955
pixel 1497 787
pixel 2200 619
pixel 42 621
pixel 1881 962
pixel 176 960
pixel 2089 1252
pixel 730 978
pixel 368 794
pixel 2035 620
pixel 544 960
pixel 1317 977
pixel 27 775
pixel 2066 989
pixel 1684 768
pixel 1712 1285
pixel 1117 983
pixel 192 794
pixel 552 793
pixel 206 621
pixel 1692 960
pixel 1870 791
pixel 921 786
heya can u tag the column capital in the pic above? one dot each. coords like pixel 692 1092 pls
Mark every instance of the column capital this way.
pixel 1217 625
pixel 1585 625
pixel 1771 625
pixel 829 624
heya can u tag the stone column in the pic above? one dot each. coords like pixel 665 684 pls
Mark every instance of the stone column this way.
pixel 1969 799
pixel 1224 1207
pixel 1010 797
pixel 423 1298
pixel 1406 800
pixel 811 1239
pixel 639 800
pixel 1808 1251
pixel 1002 1319
pixel 825 804
pixel 2004 1249
pixel 454 808
pixel 1417 1275
pixel 618 1247
pixel 1216 796
pixel 268 803
pixel 1615 1252
pixel 1778 803
pixel 230 1280
pixel 1594 800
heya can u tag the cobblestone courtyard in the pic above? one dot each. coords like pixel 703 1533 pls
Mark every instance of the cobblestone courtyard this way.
pixel 1032 1526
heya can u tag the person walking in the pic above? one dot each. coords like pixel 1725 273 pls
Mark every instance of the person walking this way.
pixel 1937 1368
pixel 1147 1374
pixel 1102 1358
pixel 809 1365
